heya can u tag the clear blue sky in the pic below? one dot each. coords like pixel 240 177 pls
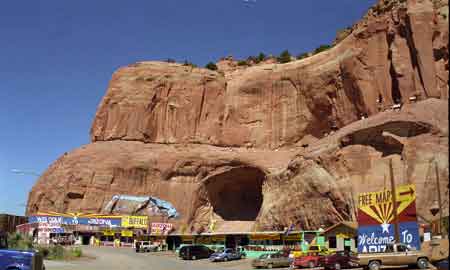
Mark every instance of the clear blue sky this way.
pixel 56 58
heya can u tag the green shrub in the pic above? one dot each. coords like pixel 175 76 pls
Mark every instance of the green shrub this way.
pixel 56 252
pixel 302 55
pixel 242 63
pixel 19 241
pixel 261 57
pixel 211 66
pixel 322 48
pixel 76 252
pixel 284 57
pixel 190 64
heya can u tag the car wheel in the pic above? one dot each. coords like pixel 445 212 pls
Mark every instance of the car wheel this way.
pixel 422 263
pixel 270 266
pixel 337 266
pixel 311 264
pixel 374 265
pixel 194 257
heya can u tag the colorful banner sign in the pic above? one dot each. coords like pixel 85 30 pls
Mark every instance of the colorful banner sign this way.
pixel 135 222
pixel 376 219
pixel 76 219
pixel 161 228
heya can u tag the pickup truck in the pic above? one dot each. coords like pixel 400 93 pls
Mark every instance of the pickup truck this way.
pixel 394 255
pixel 17 259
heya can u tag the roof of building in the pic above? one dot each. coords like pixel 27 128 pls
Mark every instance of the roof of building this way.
pixel 350 224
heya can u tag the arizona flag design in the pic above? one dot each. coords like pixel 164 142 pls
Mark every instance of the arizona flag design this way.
pixel 376 219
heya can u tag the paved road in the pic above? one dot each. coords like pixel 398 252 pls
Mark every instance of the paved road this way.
pixel 107 258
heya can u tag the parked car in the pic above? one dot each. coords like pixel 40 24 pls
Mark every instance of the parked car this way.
pixel 227 254
pixel 394 255
pixel 145 246
pixel 308 261
pixel 19 259
pixel 339 260
pixel 271 260
pixel 442 265
pixel 194 252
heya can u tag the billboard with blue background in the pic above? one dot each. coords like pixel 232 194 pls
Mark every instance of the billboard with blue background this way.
pixel 376 219
pixel 76 219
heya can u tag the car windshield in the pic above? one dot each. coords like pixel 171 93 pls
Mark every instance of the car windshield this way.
pixel 313 248
pixel 264 256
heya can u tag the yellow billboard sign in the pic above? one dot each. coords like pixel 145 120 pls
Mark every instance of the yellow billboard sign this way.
pixel 135 222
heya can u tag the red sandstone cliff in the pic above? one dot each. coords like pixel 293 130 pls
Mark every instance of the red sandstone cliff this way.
pixel 253 143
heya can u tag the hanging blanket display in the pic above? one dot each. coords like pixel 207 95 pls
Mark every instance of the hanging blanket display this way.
pixel 140 205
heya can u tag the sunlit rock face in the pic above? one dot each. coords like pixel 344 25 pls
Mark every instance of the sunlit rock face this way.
pixel 271 145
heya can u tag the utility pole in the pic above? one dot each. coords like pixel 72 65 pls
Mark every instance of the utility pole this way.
pixel 394 202
pixel 439 198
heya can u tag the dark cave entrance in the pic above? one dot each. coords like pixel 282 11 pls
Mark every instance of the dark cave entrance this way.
pixel 236 194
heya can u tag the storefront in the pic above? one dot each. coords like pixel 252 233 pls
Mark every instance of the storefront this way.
pixel 88 229
pixel 342 236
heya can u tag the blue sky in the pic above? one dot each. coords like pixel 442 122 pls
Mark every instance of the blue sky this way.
pixel 58 56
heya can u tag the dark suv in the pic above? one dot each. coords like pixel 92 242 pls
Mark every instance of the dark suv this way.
pixel 194 252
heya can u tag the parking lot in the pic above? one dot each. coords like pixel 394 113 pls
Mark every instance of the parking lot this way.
pixel 108 258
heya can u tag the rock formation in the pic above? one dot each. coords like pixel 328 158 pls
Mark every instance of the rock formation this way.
pixel 272 144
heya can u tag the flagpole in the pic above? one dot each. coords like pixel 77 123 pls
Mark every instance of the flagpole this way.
pixel 394 202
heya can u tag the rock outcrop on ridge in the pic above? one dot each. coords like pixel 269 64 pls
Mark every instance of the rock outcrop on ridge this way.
pixel 272 144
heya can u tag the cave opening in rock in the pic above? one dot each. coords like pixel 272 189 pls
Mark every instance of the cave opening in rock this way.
pixel 236 194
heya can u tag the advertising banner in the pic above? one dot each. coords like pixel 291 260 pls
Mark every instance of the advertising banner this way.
pixel 76 219
pixel 161 228
pixel 376 219
pixel 135 222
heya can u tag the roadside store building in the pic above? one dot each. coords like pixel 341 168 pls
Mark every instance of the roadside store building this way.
pixel 342 236
pixel 8 222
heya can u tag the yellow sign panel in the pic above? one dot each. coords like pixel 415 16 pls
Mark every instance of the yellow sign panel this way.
pixel 135 222
pixel 187 238
pixel 379 205
pixel 292 237
pixel 127 233
pixel 108 233
pixel 265 237
pixel 404 193
pixel 218 238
